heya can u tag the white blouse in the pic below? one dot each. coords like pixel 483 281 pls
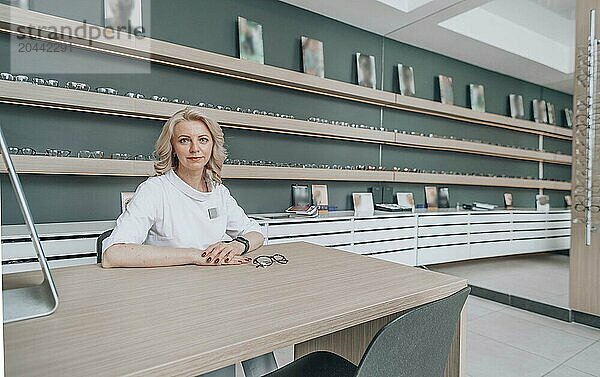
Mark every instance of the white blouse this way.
pixel 166 211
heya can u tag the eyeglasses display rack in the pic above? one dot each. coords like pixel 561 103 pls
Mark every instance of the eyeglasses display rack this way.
pixel 584 254
pixel 136 103
pixel 586 194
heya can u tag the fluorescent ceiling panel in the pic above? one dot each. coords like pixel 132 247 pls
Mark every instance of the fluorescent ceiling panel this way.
pixel 536 16
pixel 563 8
pixel 515 37
pixel 405 5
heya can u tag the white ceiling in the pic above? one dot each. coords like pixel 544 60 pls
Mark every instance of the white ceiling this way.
pixel 529 39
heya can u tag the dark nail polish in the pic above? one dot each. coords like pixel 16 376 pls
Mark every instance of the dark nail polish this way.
pixel 216 260
pixel 208 259
pixel 226 260
pixel 203 254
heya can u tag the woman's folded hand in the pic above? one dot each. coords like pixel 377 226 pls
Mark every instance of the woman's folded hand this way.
pixel 222 253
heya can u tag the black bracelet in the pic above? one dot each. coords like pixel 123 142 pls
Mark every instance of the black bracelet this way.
pixel 243 241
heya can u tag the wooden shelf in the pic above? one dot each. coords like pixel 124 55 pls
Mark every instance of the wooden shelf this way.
pixel 424 106
pixel 471 147
pixel 449 179
pixel 19 21
pixel 129 168
pixel 66 99
pixel 132 168
pixel 272 172
pixel 79 166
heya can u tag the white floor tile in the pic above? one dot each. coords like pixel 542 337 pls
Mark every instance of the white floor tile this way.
pixel 565 371
pixel 558 300
pixel 477 307
pixel 539 277
pixel 475 311
pixel 541 340
pixel 473 270
pixel 492 305
pixel 573 328
pixel 512 285
pixel 489 358
pixel 535 280
pixel 505 341
pixel 587 361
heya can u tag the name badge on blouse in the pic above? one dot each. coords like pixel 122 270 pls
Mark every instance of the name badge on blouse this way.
pixel 213 213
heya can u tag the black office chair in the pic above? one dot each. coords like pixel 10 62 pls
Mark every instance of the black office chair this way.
pixel 101 238
pixel 416 344
pixel 259 366
pixel 255 367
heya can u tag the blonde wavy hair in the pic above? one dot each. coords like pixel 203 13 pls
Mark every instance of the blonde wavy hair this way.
pixel 164 149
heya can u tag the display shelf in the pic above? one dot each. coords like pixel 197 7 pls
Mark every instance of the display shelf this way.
pixel 305 174
pixel 425 106
pixel 79 166
pixel 128 168
pixel 471 147
pixel 472 180
pixel 66 99
pixel 18 21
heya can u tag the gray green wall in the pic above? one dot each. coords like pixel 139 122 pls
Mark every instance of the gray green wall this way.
pixel 211 25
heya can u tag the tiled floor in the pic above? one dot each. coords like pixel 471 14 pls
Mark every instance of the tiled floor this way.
pixel 539 277
pixel 508 342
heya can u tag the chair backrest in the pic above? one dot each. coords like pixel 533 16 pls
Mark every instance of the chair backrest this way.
pixel 259 366
pixel 101 238
pixel 417 343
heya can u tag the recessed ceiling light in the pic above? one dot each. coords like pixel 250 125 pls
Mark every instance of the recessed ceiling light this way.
pixel 535 33
pixel 405 5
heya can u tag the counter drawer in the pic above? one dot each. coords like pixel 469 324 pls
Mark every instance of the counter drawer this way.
pixel 492 249
pixel 375 247
pixel 315 227
pixel 443 229
pixel 558 224
pixel 532 246
pixel 380 235
pixel 323 240
pixel 530 234
pixel 540 216
pixel 489 218
pixel 443 240
pixel 23 250
pixel 444 219
pixel 532 225
pixel 499 236
pixel 559 216
pixel 383 223
pixel 442 254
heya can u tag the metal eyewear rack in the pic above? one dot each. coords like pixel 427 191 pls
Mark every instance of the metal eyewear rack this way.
pixel 586 197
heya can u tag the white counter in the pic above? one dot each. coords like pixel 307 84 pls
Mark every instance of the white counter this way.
pixel 414 238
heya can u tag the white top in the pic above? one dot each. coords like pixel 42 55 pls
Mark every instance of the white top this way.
pixel 166 211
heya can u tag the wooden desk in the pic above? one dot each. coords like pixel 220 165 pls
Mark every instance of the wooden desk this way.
pixel 189 320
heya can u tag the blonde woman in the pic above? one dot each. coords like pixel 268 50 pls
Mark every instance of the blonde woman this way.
pixel 185 215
